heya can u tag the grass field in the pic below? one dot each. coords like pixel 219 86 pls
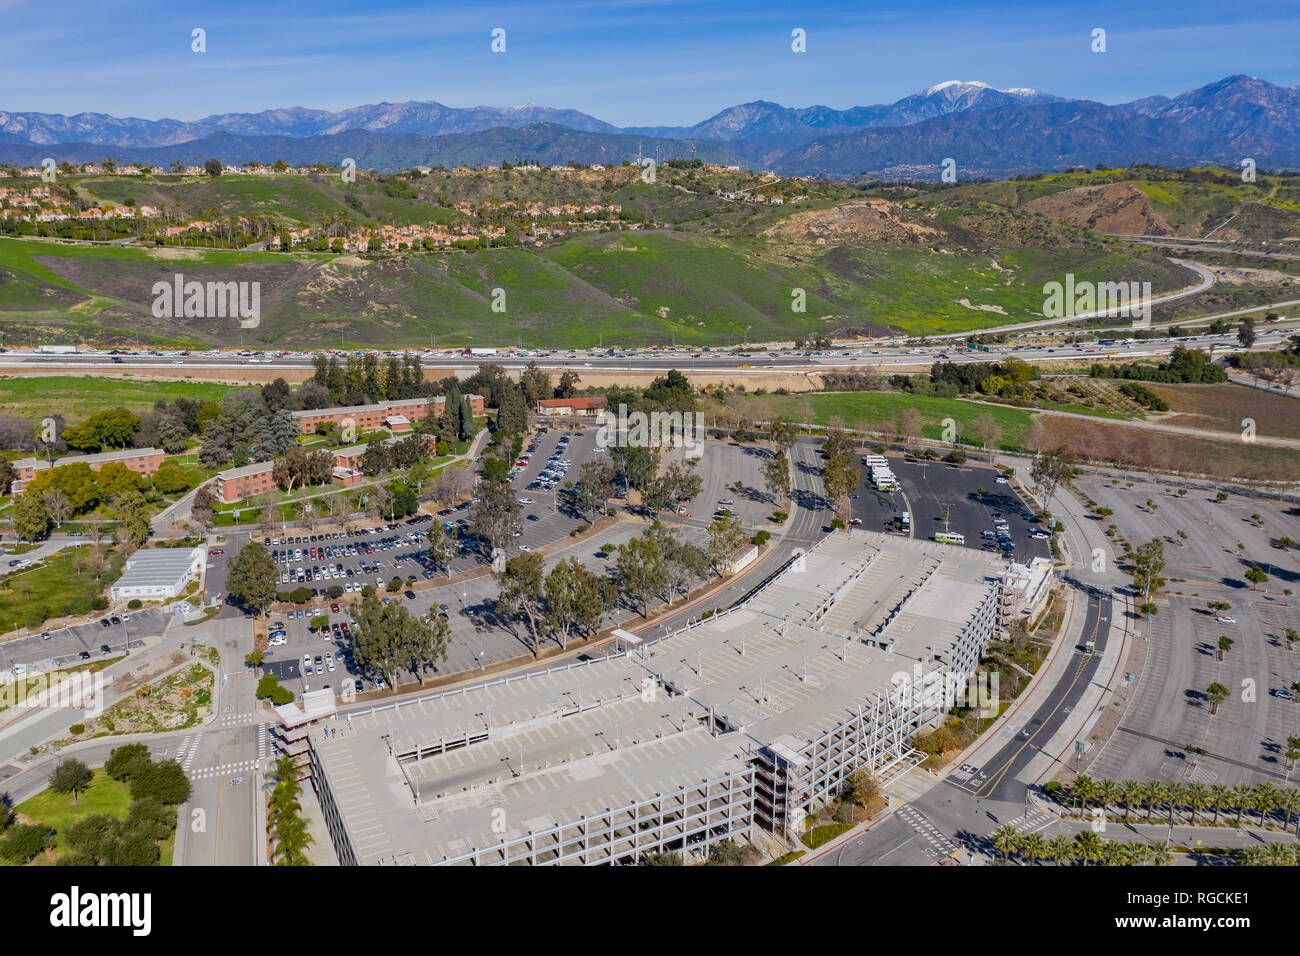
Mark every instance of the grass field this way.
pixel 716 276
pixel 105 795
pixel 60 587
pixel 868 410
pixel 79 396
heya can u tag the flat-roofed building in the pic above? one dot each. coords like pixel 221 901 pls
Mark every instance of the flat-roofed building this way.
pixel 349 457
pixel 745 720
pixel 572 407
pixel 370 417
pixel 346 477
pixel 236 484
pixel 143 461
pixel 156 574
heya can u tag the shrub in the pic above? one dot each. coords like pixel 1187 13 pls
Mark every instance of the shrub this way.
pixel 762 538
pixel 300 595
pixel 134 604
pixel 125 761
pixel 165 781
pixel 76 729
pixel 780 517
pixel 100 603
pixel 22 842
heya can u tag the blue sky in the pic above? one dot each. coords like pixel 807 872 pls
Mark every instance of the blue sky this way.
pixel 629 62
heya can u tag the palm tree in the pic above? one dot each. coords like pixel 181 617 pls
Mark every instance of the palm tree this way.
pixel 1138 852
pixel 1034 847
pixel 1289 801
pixel 1241 795
pixel 1281 854
pixel 1153 792
pixel 1254 856
pixel 1174 792
pixel 1265 800
pixel 1107 792
pixel 1060 849
pixel 1130 791
pixel 1087 846
pixel 1084 790
pixel 1006 839
pixel 1113 854
pixel 1161 855
pixel 1197 796
pixel 1220 794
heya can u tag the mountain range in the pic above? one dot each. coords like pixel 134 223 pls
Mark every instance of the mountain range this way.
pixel 986 131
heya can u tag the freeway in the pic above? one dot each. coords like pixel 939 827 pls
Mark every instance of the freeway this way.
pixel 867 355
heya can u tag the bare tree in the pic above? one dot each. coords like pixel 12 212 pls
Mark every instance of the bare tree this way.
pixel 57 505
pixel 988 431
pixel 909 424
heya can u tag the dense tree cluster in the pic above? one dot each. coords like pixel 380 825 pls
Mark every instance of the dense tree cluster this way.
pixel 98 839
pixel 1184 365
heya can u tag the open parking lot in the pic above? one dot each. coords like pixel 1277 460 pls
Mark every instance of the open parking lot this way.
pixel 928 489
pixel 1168 709
pixel 722 466
pixel 67 645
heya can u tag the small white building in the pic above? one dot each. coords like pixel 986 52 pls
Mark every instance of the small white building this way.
pixel 157 574
pixel 1025 588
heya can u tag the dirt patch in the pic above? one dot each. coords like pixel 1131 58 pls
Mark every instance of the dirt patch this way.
pixel 1181 454
pixel 174 252
pixel 1117 207
pixel 867 220
pixel 966 303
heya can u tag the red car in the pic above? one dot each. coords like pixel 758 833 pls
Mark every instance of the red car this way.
pixel 217 551
pixel 334 608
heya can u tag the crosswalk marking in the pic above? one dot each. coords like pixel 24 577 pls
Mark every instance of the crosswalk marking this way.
pixel 225 770
pixel 188 748
pixel 927 830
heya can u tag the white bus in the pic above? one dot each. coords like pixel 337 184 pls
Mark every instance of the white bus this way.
pixel 949 537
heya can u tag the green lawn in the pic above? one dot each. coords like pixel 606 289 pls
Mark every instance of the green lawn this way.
pixel 105 795
pixel 868 409
pixel 77 397
pixel 62 586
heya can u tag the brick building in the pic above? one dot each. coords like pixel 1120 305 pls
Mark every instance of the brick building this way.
pixel 236 484
pixel 573 407
pixel 143 461
pixel 370 417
